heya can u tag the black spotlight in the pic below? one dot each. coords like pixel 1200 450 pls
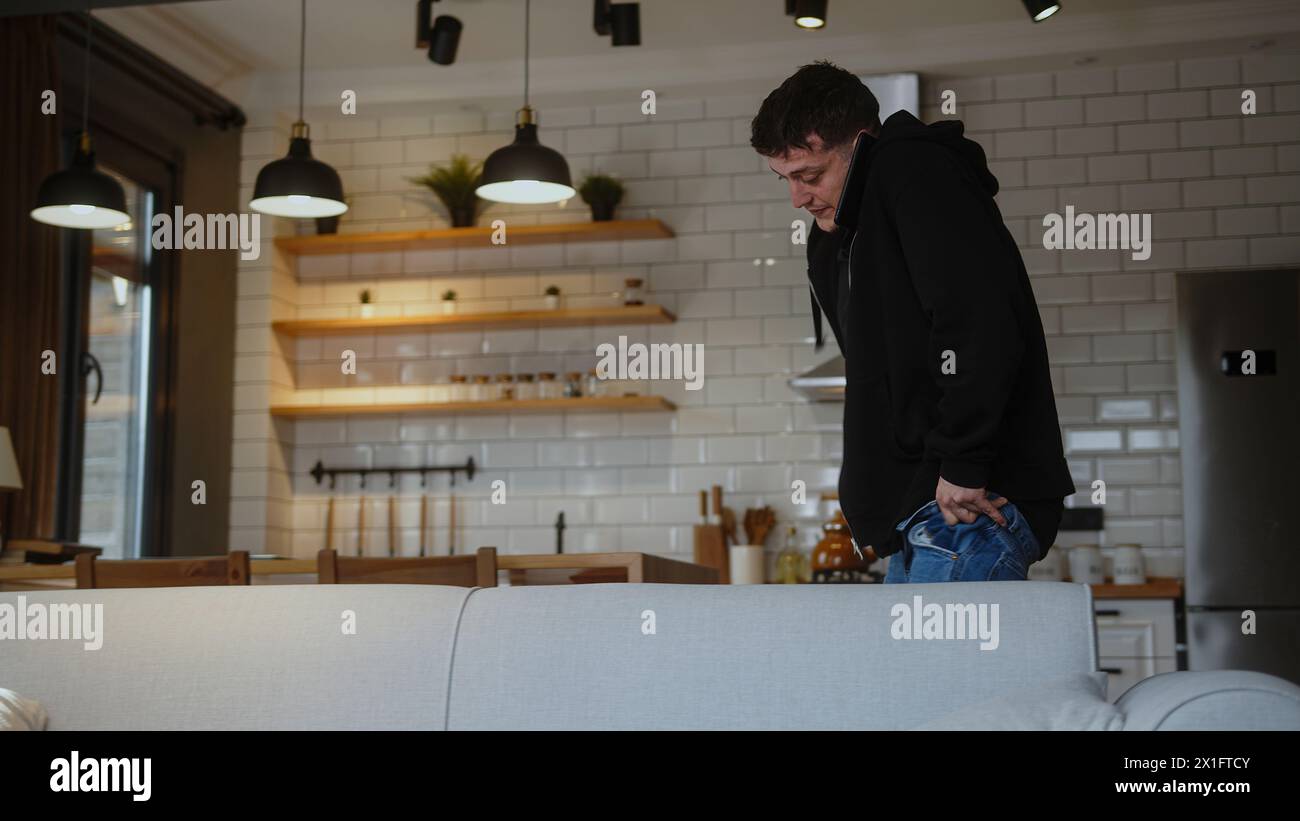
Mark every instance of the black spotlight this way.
pixel 446 36
pixel 1040 10
pixel 441 37
pixel 807 14
pixel 622 21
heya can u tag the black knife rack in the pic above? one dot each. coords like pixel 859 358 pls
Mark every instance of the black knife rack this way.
pixel 319 472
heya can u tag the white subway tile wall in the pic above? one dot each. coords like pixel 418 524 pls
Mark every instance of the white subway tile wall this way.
pixel 1166 138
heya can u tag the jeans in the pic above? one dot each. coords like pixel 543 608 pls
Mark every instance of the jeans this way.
pixel 935 551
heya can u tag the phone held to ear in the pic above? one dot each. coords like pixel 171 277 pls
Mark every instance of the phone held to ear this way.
pixel 850 205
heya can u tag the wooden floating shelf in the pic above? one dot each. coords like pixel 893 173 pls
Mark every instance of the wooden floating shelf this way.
pixel 473 237
pixel 585 403
pixel 618 315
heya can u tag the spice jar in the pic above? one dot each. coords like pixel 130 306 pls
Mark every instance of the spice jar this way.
pixel 460 391
pixel 525 387
pixel 505 386
pixel 591 385
pixel 573 384
pixel 482 391
pixel 547 387
pixel 632 291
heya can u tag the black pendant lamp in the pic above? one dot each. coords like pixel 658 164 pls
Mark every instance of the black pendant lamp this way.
pixel 299 186
pixel 526 171
pixel 1040 10
pixel 81 196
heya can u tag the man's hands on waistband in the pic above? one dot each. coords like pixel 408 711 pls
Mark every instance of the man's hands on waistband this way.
pixel 964 504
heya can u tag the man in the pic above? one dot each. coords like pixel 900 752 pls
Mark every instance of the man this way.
pixel 952 450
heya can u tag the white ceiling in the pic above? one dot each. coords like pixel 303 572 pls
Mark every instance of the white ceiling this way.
pixel 369 33
pixel 248 49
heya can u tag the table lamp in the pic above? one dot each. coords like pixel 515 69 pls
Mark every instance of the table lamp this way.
pixel 10 479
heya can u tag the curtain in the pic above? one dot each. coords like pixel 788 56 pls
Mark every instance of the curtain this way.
pixel 29 273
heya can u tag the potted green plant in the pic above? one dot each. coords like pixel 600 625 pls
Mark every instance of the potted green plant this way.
pixel 454 185
pixel 603 193
pixel 367 307
pixel 552 297
pixel 449 301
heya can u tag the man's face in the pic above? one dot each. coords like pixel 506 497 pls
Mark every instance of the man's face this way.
pixel 816 177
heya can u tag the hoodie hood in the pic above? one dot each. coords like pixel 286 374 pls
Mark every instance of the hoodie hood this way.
pixel 949 133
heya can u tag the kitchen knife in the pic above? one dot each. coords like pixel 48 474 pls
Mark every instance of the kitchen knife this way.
pixel 392 525
pixel 361 527
pixel 424 522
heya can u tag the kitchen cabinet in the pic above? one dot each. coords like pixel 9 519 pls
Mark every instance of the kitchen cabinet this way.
pixel 1136 638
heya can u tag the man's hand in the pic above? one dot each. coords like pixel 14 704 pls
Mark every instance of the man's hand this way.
pixel 965 504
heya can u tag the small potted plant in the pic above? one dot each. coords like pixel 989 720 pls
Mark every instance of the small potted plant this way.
pixel 552 297
pixel 449 301
pixel 454 185
pixel 367 307
pixel 603 193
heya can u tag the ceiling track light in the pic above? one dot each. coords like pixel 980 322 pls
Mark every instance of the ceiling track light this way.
pixel 441 38
pixel 299 186
pixel 621 22
pixel 81 196
pixel 1040 10
pixel 808 14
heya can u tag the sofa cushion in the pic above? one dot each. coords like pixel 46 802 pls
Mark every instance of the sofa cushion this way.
pixel 255 657
pixel 1076 702
pixel 750 657
pixel 18 713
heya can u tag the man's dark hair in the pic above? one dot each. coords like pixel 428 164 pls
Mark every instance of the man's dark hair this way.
pixel 821 99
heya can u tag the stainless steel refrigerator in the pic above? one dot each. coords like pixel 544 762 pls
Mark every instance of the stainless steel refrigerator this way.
pixel 1239 418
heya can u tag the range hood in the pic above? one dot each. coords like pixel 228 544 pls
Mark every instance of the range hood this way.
pixel 822 383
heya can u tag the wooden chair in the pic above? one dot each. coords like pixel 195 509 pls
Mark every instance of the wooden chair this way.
pixel 233 568
pixel 477 570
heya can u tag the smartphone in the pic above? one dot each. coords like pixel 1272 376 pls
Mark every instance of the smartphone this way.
pixel 850 205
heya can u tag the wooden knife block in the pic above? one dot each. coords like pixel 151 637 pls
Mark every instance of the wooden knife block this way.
pixel 711 551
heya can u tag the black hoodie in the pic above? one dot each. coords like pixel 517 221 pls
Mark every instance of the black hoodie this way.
pixel 946 361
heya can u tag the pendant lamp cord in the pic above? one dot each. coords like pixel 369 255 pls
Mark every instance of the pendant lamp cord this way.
pixel 527 16
pixel 85 82
pixel 302 56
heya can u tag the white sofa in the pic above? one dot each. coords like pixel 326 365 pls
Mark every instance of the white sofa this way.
pixel 603 656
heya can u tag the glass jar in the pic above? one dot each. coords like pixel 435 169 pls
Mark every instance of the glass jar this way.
pixel 482 391
pixel 632 291
pixel 789 562
pixel 573 384
pixel 460 391
pixel 525 387
pixel 547 387
pixel 505 386
pixel 591 385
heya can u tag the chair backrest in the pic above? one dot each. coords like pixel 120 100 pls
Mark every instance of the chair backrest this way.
pixel 93 572
pixel 476 570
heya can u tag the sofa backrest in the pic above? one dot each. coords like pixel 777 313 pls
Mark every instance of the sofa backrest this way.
pixel 751 657
pixel 598 656
pixel 259 657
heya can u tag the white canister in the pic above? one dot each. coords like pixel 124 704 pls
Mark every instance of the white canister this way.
pixel 1051 568
pixel 747 564
pixel 1086 565
pixel 1128 565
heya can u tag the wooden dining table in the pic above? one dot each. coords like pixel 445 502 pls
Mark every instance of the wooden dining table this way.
pixel 524 569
